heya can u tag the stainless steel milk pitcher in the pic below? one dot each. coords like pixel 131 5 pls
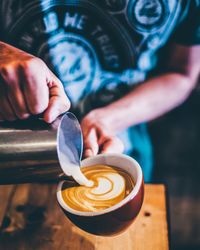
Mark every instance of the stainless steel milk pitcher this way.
pixel 29 149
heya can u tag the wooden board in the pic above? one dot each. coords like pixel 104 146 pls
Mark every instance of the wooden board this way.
pixel 5 196
pixel 34 221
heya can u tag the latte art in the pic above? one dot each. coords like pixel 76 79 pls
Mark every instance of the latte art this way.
pixel 111 185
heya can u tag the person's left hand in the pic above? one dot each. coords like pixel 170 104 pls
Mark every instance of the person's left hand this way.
pixel 98 136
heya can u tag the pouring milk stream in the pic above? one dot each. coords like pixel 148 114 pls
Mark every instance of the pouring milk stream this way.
pixel 70 148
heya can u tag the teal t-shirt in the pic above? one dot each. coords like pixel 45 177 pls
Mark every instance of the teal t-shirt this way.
pixel 101 49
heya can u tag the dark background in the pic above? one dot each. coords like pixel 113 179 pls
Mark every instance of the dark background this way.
pixel 176 140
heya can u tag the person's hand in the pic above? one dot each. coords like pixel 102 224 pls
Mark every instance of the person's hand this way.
pixel 98 136
pixel 28 87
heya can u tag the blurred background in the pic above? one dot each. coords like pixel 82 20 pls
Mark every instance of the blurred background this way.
pixel 176 140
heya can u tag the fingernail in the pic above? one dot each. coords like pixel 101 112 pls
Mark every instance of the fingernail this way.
pixel 49 118
pixel 88 153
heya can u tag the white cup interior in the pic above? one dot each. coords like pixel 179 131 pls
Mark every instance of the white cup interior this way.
pixel 117 160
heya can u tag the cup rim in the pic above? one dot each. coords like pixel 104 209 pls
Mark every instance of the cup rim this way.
pixel 129 197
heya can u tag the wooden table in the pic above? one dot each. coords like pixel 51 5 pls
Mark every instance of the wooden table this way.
pixel 31 219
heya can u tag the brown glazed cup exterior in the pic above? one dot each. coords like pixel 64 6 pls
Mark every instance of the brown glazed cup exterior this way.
pixel 117 218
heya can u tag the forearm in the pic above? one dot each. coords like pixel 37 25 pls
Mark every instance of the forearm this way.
pixel 149 100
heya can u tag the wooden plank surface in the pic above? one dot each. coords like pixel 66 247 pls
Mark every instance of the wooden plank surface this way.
pixel 5 196
pixel 32 220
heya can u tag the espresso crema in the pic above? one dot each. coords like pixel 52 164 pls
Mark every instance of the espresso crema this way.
pixel 111 185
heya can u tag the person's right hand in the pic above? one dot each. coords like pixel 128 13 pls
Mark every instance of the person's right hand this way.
pixel 28 87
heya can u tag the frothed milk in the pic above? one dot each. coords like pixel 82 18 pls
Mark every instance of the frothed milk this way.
pixel 71 169
pixel 80 178
pixel 109 186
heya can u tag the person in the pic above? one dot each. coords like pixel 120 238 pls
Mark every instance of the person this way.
pixel 121 63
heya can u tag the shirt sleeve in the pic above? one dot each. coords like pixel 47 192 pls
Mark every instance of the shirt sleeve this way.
pixel 188 30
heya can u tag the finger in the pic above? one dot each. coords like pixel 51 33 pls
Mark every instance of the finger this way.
pixel 91 146
pixel 113 145
pixel 35 89
pixel 58 101
pixel 87 132
pixel 88 153
pixel 103 135
pixel 18 104
pixel 86 126
pixel 5 108
pixel 15 95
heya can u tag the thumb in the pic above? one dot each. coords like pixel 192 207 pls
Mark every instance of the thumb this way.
pixel 91 146
pixel 113 145
pixel 58 101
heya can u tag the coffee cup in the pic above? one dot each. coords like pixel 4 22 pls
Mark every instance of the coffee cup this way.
pixel 114 219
